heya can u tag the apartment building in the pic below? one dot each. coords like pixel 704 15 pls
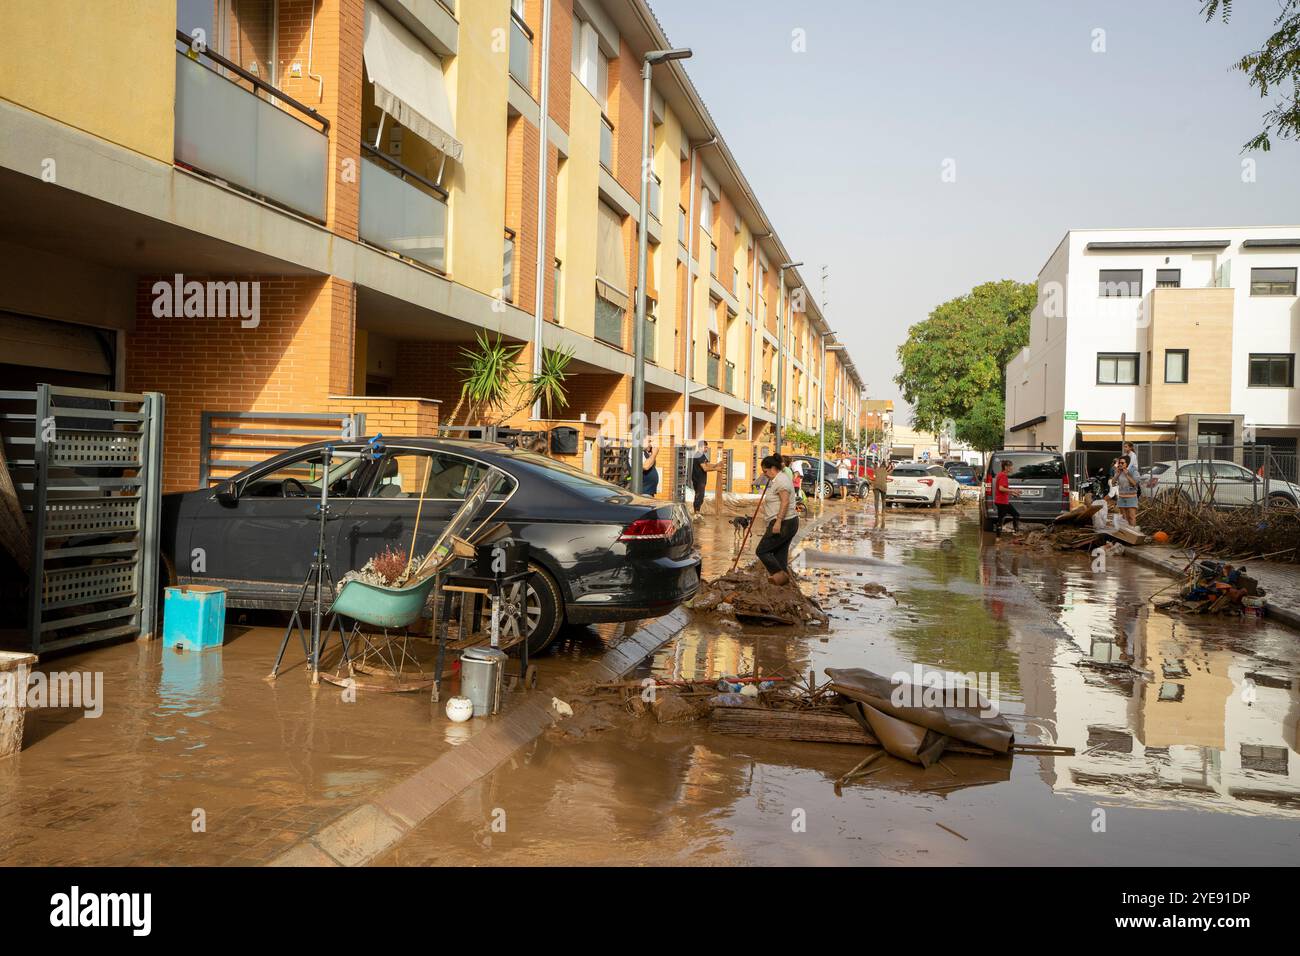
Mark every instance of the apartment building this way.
pixel 1185 335
pixel 294 206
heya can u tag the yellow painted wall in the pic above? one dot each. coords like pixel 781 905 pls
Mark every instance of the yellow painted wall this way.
pixel 477 86
pixel 667 162
pixel 580 195
pixel 1199 320
pixel 108 67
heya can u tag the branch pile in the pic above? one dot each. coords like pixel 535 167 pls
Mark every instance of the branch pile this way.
pixel 1236 533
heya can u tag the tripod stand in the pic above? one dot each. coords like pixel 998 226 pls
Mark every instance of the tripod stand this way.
pixel 318 579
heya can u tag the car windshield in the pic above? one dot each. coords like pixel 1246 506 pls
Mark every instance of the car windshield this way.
pixel 1033 466
pixel 573 479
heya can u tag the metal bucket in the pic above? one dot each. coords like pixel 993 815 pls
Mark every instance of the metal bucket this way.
pixel 481 671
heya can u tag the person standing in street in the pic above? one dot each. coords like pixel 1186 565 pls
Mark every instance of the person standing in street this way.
pixel 844 471
pixel 1002 493
pixel 780 524
pixel 1126 490
pixel 649 468
pixel 700 468
pixel 879 490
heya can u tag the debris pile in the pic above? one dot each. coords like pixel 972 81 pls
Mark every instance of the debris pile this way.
pixel 1215 587
pixel 747 594
pixel 1230 533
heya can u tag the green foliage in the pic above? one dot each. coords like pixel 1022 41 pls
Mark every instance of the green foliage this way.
pixel 1273 69
pixel 982 426
pixel 492 379
pixel 959 354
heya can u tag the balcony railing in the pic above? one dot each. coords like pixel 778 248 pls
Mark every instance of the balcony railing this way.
pixel 712 379
pixel 402 211
pixel 521 52
pixel 229 132
pixel 731 378
pixel 769 396
pixel 606 144
pixel 609 322
pixel 650 325
pixel 656 198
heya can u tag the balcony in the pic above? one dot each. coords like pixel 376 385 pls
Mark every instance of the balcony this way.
pixel 607 145
pixel 402 211
pixel 650 332
pixel 769 396
pixel 609 322
pixel 656 198
pixel 231 133
pixel 521 52
pixel 714 362
pixel 730 381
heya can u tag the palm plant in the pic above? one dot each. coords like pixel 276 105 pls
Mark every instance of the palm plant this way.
pixel 491 379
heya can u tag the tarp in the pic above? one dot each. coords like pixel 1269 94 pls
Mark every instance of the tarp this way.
pixel 913 731
pixel 408 80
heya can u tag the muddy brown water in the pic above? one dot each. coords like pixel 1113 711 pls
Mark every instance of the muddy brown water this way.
pixel 1187 755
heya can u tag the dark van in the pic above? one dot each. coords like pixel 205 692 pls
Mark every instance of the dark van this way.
pixel 1042 480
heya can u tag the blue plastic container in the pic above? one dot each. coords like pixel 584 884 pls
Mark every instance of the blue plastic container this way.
pixel 194 617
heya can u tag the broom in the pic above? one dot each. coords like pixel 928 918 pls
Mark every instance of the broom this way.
pixel 752 521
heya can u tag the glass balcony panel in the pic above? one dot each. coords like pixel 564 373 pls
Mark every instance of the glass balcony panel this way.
pixel 402 218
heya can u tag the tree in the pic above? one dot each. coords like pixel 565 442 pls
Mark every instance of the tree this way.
pixel 983 426
pixel 959 354
pixel 1272 69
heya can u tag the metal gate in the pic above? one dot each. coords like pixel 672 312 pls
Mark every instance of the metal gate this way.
pixel 230 442
pixel 87 468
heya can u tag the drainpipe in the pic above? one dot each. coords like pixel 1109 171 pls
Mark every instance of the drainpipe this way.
pixel 539 300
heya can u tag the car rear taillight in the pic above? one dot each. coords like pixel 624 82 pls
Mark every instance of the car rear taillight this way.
pixel 925 481
pixel 649 529
pixel 1065 489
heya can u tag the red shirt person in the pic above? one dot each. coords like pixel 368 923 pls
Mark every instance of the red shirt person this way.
pixel 1002 492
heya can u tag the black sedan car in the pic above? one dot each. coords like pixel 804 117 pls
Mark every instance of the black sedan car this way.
pixel 597 553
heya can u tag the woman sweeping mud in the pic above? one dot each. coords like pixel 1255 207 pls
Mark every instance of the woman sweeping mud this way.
pixel 779 522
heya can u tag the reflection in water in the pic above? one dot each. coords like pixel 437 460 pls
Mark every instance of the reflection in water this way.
pixel 1214 753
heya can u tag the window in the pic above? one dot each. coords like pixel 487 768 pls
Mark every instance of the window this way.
pixel 1272 281
pixel 1169 278
pixel 443 476
pixel 1117 368
pixel 1119 283
pixel 682 218
pixel 1176 366
pixel 1027 465
pixel 1272 371
pixel 557 284
pixel 706 211
pixel 300 478
pixel 713 259
pixel 588 63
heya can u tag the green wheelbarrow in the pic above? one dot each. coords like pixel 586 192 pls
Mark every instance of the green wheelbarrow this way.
pixel 381 654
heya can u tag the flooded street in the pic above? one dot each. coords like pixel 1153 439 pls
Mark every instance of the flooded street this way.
pixel 1184 729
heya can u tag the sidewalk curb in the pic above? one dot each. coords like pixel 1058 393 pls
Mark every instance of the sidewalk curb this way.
pixel 1175 569
pixel 363 834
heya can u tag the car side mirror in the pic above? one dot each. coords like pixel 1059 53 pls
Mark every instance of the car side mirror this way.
pixel 226 495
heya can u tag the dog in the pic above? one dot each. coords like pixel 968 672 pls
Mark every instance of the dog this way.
pixel 739 525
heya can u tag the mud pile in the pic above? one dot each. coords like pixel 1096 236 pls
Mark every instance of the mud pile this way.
pixel 747 594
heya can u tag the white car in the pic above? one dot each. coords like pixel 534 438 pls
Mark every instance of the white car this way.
pixel 1223 483
pixel 918 482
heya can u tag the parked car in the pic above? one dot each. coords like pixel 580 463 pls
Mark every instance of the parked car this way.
pixel 597 553
pixel 809 463
pixel 1041 478
pixel 916 482
pixel 963 473
pixel 1222 483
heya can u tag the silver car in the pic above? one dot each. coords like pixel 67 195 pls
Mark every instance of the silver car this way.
pixel 1222 483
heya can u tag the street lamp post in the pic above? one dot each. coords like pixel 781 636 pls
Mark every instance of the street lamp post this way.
pixel 822 411
pixel 780 353
pixel 642 254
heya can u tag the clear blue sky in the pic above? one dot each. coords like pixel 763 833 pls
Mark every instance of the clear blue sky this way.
pixel 844 143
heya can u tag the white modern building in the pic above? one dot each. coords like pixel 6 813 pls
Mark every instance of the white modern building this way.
pixel 1185 335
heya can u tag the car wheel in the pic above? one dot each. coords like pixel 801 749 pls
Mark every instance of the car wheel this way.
pixel 542 613
pixel 828 490
pixel 1281 499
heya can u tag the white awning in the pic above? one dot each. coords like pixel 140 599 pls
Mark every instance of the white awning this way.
pixel 408 79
